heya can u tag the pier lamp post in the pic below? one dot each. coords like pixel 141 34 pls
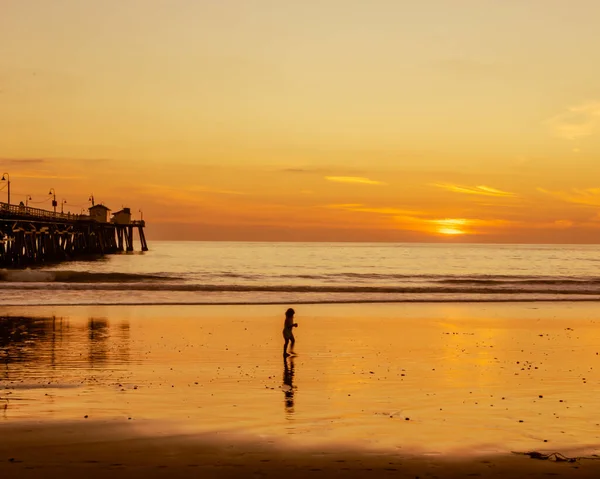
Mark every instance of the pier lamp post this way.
pixel 54 203
pixel 6 177
pixel 62 206
pixel 141 215
pixel 27 199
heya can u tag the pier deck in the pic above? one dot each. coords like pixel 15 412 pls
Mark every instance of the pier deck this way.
pixel 33 236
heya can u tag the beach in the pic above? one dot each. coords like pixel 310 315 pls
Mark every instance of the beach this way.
pixel 434 390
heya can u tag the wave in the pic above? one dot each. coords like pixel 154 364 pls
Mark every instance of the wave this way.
pixel 434 278
pixel 543 288
pixel 66 276
pixel 356 284
pixel 522 281
pixel 286 301
pixel 41 276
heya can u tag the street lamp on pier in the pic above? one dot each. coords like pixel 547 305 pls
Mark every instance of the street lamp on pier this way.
pixel 141 215
pixel 27 199
pixel 62 205
pixel 54 203
pixel 6 177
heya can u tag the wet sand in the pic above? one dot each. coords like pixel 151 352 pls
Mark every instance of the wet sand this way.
pixel 440 390
pixel 97 450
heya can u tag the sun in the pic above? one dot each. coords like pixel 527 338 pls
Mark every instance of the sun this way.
pixel 450 226
pixel 450 231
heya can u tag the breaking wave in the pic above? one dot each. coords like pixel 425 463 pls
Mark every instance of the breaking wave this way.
pixel 124 282
pixel 42 276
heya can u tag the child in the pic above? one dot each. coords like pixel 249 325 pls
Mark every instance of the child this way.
pixel 288 335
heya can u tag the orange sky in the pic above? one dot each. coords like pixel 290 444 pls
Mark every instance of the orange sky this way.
pixel 332 120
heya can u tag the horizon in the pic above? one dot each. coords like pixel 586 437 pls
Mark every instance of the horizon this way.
pixel 411 122
pixel 408 243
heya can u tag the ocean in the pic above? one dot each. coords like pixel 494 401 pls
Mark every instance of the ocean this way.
pixel 296 273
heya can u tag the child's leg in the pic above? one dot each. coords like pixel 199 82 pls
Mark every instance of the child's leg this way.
pixel 285 346
pixel 293 341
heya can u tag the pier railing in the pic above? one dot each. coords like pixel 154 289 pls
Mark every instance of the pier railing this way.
pixel 38 213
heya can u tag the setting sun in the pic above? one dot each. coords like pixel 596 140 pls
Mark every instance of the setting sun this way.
pixel 450 231
pixel 451 226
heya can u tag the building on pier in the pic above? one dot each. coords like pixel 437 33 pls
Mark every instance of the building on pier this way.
pixel 99 213
pixel 122 217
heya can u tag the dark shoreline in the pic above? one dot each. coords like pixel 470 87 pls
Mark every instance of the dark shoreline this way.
pixel 120 450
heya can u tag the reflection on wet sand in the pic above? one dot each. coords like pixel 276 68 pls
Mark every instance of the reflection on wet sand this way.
pixel 21 338
pixel 98 334
pixel 29 344
pixel 288 384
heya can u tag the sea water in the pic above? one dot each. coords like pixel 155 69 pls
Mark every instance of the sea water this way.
pixel 281 273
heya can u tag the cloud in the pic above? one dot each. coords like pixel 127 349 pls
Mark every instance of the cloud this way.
pixel 577 122
pixel 476 190
pixel 424 222
pixel 360 208
pixel 36 161
pixel 206 189
pixel 451 222
pixel 42 176
pixel 456 222
pixel 312 171
pixel 23 161
pixel 50 168
pixel 354 179
pixel 563 224
pixel 586 197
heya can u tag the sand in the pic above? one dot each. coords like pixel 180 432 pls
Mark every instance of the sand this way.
pixel 96 450
pixel 440 390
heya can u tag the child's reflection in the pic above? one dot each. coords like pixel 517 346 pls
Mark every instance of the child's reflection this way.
pixel 288 383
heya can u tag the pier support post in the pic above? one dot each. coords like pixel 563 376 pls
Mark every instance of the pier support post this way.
pixel 129 238
pixel 142 238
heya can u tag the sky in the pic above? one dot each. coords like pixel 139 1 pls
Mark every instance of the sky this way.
pixel 315 120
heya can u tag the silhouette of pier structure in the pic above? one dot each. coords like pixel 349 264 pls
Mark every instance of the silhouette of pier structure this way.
pixel 33 236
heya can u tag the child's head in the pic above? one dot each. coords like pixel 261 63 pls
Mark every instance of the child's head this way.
pixel 289 313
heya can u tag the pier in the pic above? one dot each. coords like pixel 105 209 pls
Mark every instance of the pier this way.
pixel 33 236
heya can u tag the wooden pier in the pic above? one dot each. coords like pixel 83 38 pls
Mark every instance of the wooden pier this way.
pixel 32 236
